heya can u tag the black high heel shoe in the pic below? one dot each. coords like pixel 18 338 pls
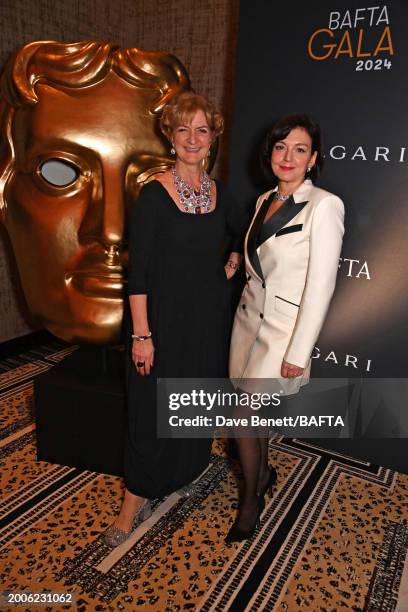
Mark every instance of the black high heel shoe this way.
pixel 273 476
pixel 236 534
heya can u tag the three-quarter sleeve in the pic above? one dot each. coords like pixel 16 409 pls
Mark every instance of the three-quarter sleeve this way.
pixel 142 233
pixel 237 222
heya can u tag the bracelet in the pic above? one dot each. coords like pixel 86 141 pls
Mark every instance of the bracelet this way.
pixel 142 338
pixel 231 264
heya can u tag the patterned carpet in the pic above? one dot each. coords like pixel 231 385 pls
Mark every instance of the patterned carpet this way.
pixel 333 537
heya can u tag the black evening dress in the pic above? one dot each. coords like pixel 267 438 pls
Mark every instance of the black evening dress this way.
pixel 177 260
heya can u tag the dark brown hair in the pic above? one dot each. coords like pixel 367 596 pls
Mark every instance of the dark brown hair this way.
pixel 280 130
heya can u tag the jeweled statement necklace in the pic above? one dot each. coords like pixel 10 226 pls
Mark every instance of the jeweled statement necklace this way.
pixel 192 199
pixel 282 198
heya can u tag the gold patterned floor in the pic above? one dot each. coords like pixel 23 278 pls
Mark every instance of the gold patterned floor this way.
pixel 333 537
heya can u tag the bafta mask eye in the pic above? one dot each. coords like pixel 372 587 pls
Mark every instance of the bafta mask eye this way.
pixel 58 172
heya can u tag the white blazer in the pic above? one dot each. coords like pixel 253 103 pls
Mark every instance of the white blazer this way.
pixel 291 277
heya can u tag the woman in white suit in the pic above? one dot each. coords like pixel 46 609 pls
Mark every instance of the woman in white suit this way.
pixel 292 251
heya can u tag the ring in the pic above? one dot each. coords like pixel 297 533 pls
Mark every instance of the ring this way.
pixel 140 364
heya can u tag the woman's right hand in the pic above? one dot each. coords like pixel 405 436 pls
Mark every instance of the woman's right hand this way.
pixel 143 353
pixel 290 370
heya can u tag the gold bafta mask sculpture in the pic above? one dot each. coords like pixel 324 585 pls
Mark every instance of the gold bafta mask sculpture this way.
pixel 79 136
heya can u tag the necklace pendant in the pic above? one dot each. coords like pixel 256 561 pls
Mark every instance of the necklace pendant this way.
pixel 282 198
pixel 197 210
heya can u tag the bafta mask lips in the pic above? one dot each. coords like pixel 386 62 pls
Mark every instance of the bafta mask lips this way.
pixel 101 284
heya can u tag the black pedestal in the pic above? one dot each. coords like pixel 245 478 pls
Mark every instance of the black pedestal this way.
pixel 80 411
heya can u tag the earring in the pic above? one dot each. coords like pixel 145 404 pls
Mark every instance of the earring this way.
pixel 309 169
pixel 209 153
pixel 173 151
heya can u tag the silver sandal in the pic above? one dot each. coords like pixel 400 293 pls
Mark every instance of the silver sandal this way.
pixel 188 490
pixel 114 536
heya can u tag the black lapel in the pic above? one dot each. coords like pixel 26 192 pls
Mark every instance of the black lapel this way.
pixel 286 213
pixel 253 234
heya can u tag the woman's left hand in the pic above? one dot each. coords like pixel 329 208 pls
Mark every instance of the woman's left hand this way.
pixel 289 370
pixel 229 272
pixel 232 265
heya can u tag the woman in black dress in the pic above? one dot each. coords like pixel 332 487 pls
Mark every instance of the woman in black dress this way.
pixel 179 301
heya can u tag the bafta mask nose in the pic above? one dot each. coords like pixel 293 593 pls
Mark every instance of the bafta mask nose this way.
pixel 105 218
pixel 114 210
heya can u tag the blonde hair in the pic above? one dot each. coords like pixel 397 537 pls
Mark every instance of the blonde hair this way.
pixel 182 108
